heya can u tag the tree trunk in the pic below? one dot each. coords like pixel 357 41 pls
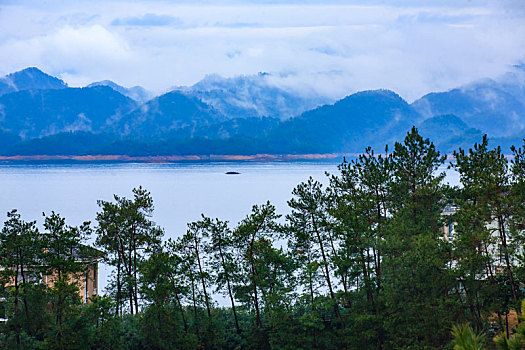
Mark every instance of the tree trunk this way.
pixel 254 276
pixel 237 328
pixel 16 305
pixel 24 299
pixel 136 292
pixel 256 299
pixel 194 301
pixel 366 279
pixel 202 276
pixel 181 310
pixel 130 285
pixel 325 262
pixel 311 287
pixel 503 238
pixel 118 309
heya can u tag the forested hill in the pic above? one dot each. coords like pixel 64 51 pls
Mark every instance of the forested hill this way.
pixel 29 79
pixel 41 115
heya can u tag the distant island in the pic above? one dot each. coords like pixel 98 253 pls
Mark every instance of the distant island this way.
pixel 42 118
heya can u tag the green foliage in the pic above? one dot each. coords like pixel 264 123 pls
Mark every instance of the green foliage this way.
pixel 466 339
pixel 363 262
pixel 126 233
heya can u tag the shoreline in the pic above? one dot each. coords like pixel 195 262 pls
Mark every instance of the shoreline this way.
pixel 118 158
pixel 174 158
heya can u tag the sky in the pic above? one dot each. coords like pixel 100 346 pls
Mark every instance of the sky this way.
pixel 332 47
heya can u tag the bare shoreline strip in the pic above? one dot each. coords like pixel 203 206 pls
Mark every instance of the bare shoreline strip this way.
pixel 119 158
pixel 172 158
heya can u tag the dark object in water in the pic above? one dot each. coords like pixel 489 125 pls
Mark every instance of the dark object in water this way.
pixel 232 173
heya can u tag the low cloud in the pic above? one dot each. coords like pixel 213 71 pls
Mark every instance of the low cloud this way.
pixel 237 25
pixel 73 54
pixel 334 49
pixel 437 18
pixel 149 19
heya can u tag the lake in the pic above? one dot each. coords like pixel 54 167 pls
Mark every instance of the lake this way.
pixel 181 191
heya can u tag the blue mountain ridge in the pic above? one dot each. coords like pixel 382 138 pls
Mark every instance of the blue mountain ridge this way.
pixel 40 114
pixel 137 93
pixel 494 106
pixel 29 79
pixel 249 96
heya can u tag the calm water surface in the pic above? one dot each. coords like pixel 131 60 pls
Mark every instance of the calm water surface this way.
pixel 181 192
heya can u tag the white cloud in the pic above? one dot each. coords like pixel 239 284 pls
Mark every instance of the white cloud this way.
pixel 334 48
pixel 149 19
pixel 72 53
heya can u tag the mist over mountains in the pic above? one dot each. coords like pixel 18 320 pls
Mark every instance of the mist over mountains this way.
pixel 41 115
pixel 136 93
pixel 252 96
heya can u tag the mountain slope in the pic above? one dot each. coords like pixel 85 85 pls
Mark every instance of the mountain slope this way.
pixel 496 107
pixel 442 127
pixel 29 79
pixel 246 115
pixel 32 114
pixel 449 132
pixel 170 115
pixel 137 93
pixel 365 118
pixel 248 96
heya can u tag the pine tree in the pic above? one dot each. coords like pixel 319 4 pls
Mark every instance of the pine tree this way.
pixel 64 260
pixel 314 234
pixel 222 262
pixel 125 232
pixel 416 279
pixel 485 229
pixel 20 250
pixel 359 204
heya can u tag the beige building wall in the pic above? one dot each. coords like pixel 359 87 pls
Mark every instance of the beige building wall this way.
pixel 87 281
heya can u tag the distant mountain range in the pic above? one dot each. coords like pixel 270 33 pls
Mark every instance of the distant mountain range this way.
pixel 252 96
pixel 137 93
pixel 40 114
pixel 29 79
pixel 492 106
